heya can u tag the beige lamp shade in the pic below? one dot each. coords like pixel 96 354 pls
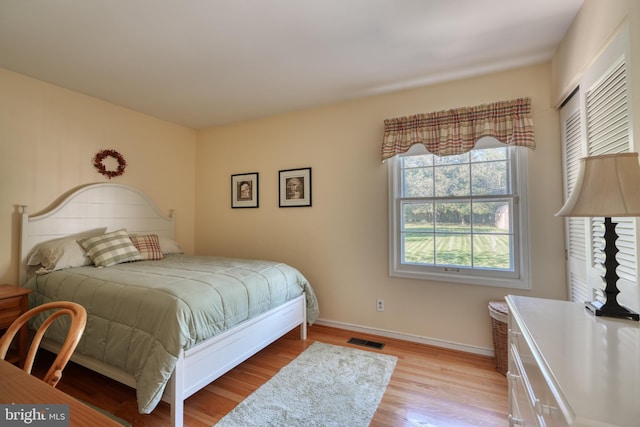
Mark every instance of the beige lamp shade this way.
pixel 607 186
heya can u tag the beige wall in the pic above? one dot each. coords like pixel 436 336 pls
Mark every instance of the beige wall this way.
pixel 340 243
pixel 594 27
pixel 48 138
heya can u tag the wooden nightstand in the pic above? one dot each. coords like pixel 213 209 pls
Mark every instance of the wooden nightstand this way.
pixel 13 302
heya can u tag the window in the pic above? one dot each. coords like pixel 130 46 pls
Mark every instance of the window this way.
pixel 460 218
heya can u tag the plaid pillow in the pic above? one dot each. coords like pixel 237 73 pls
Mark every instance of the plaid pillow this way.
pixel 110 248
pixel 148 245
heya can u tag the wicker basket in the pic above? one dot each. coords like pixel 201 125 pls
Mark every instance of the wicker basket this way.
pixel 499 312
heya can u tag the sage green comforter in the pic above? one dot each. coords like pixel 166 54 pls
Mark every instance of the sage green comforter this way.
pixel 142 314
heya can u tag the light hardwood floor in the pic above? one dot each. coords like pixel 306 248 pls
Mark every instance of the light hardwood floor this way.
pixel 429 387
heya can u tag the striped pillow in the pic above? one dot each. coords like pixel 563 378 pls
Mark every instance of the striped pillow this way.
pixel 148 245
pixel 110 248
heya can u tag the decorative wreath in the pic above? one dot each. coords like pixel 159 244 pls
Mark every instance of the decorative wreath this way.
pixel 98 163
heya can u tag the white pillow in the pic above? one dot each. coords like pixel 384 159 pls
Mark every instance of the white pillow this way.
pixel 169 246
pixel 58 254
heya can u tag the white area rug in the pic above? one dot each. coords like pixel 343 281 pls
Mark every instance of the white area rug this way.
pixel 326 385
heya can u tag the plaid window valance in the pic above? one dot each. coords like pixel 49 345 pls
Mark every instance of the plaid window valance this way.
pixel 456 131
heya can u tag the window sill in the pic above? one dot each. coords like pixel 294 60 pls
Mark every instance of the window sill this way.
pixel 476 280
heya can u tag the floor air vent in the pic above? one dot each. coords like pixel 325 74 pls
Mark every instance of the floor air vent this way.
pixel 372 344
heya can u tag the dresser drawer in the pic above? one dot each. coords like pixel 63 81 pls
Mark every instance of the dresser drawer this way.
pixel 526 374
pixel 521 409
pixel 10 303
pixel 10 310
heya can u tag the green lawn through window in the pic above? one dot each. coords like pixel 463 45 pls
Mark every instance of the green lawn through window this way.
pixel 488 247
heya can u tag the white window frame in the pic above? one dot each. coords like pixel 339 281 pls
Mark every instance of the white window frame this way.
pixel 519 279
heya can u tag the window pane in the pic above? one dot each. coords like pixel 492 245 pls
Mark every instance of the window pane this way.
pixel 452 180
pixel 453 217
pixel 492 251
pixel 491 217
pixel 489 178
pixel 418 248
pixel 492 240
pixel 489 154
pixel 451 160
pixel 453 234
pixel 453 250
pixel 417 161
pixel 417 217
pixel 417 182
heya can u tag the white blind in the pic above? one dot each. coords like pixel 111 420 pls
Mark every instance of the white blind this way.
pixel 579 289
pixel 607 114
pixel 607 133
pixel 573 141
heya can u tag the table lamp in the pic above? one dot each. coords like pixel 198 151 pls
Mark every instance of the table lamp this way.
pixel 607 186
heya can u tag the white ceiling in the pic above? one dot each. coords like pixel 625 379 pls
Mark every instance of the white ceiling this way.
pixel 201 63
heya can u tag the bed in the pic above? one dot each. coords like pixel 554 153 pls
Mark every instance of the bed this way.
pixel 160 321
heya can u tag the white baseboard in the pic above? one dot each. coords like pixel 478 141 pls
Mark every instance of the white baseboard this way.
pixel 408 337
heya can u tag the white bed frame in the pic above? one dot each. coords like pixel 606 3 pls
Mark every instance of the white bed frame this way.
pixel 116 206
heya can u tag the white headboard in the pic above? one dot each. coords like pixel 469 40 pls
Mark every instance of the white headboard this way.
pixel 91 207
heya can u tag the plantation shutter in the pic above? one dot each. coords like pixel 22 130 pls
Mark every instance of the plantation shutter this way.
pixel 607 133
pixel 575 227
pixel 605 129
pixel 608 113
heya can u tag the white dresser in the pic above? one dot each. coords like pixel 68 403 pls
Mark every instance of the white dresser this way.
pixel 568 367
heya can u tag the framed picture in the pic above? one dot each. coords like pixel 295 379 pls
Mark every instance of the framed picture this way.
pixel 244 190
pixel 295 188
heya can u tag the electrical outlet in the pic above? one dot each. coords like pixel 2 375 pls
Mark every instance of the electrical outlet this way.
pixel 380 305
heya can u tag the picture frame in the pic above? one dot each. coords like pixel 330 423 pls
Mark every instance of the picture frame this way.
pixel 244 190
pixel 295 187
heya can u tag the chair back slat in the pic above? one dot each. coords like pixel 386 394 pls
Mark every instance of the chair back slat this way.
pixel 78 316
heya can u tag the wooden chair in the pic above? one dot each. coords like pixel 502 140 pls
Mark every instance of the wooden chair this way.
pixel 78 316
